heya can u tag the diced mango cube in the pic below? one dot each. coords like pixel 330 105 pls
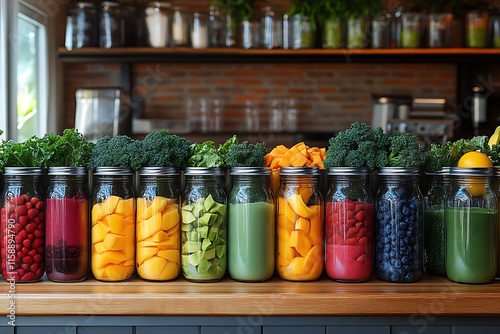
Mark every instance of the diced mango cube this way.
pixel 115 223
pixel 109 204
pixel 152 268
pixel 170 219
pixel 148 227
pixel 99 232
pixel 300 241
pixel 145 253
pixel 171 255
pixel 115 242
pixel 302 224
pixel 115 272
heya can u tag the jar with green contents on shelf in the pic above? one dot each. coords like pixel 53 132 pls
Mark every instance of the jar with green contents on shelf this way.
pixel 204 225
pixel 158 224
pixel 476 29
pixel 471 223
pixel 332 33
pixel 302 32
pixel 434 231
pixel 251 239
pixel 411 29
pixel 356 33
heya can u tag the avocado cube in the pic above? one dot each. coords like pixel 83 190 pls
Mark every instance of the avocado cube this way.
pixel 220 251
pixel 187 217
pixel 205 243
pixel 204 266
pixel 209 203
pixel 191 247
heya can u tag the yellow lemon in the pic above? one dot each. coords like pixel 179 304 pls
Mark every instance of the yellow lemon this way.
pixel 475 160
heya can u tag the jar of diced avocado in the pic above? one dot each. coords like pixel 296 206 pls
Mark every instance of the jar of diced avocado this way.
pixel 299 224
pixel 113 224
pixel 204 225
pixel 158 224
pixel 251 238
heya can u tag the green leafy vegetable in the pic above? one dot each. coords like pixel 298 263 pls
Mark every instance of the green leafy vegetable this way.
pixel 161 149
pixel 69 150
pixel 119 151
pixel 207 154
pixel 246 155
pixel 405 151
pixel 33 152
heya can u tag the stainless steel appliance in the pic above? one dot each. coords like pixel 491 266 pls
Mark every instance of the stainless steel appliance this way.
pixel 102 111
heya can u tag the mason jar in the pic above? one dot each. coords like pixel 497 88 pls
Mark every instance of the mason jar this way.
pixel 302 32
pixel 438 184
pixel 181 18
pixel 299 224
pixel 471 222
pixel 495 184
pixel 67 224
pixel 158 224
pixel 271 26
pixel 215 27
pixel 111 25
pixel 349 225
pixel 332 33
pixel 113 224
pixel 23 224
pixel 399 209
pixel 251 223
pixel 158 20
pixel 84 25
pixel 204 225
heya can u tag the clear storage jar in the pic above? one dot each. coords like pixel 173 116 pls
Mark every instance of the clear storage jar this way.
pixel 399 209
pixel 204 225
pixel 158 19
pixel 302 32
pixel 349 225
pixel 67 225
pixel 111 25
pixel 271 26
pixel 113 224
pixel 251 239
pixel 299 225
pixel 471 222
pixel 23 225
pixel 84 25
pixel 158 227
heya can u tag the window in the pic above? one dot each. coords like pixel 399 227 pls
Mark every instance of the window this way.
pixel 26 41
pixel 3 69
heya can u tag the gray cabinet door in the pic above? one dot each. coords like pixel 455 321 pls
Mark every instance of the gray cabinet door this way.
pixel 105 330
pixel 421 329
pixel 7 329
pixel 167 330
pixel 358 330
pixel 45 330
pixel 294 330
pixel 242 329
pixel 476 330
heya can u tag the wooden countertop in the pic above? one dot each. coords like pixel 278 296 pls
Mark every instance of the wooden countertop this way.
pixel 431 295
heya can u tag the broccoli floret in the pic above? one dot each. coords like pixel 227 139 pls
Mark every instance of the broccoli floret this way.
pixel 162 149
pixel 405 151
pixel 119 151
pixel 246 155
pixel 434 158
pixel 357 146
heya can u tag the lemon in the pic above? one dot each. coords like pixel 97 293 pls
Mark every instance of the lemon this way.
pixel 475 159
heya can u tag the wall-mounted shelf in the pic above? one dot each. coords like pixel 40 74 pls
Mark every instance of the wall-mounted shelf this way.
pixel 236 55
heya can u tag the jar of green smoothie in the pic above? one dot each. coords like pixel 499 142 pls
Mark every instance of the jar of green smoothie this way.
pixel 471 223
pixel 476 29
pixel 251 226
pixel 495 182
pixel 204 225
pixel 434 238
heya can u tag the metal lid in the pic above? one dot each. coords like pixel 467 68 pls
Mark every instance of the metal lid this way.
pixel 360 171
pixel 496 170
pixel 210 171
pixel 108 171
pixel 299 171
pixel 251 171
pixel 67 171
pixel 150 171
pixel 393 171
pixel 23 171
pixel 159 4
pixel 442 171
pixel 83 4
pixel 110 4
pixel 461 171
pixel 100 92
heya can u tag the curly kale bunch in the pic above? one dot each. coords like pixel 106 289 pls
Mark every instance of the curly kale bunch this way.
pixel 357 146
pixel 246 155
pixel 119 151
pixel 70 149
pixel 161 149
pixel 404 150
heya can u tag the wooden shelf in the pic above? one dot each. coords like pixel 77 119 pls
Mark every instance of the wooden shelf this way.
pixel 236 55
pixel 273 298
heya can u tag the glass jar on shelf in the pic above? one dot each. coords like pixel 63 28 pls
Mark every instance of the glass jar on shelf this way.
pixel 302 32
pixel 199 30
pixel 215 27
pixel 180 26
pixel 84 25
pixel 159 24
pixel 411 29
pixel 271 26
pixel 111 25
pixel 476 29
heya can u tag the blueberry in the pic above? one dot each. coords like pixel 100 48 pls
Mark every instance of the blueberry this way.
pixel 409 276
pixel 405 211
pixel 402 225
pixel 405 260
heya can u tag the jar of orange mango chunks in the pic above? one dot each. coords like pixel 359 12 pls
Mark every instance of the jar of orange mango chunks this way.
pixel 113 224
pixel 158 224
pixel 299 225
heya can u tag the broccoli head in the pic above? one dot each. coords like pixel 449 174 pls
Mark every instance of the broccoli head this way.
pixel 162 149
pixel 357 146
pixel 404 150
pixel 246 155
pixel 119 151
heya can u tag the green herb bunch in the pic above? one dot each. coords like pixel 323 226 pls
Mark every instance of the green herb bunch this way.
pixel 240 9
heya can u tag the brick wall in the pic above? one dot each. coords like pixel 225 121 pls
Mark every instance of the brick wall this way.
pixel 330 96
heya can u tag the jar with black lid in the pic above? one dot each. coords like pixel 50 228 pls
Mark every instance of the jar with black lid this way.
pixel 67 223
pixel 22 220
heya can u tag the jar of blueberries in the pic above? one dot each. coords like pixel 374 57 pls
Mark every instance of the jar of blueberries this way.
pixel 399 208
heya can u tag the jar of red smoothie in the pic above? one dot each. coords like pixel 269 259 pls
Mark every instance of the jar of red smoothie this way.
pixel 158 254
pixel 67 220
pixel 113 224
pixel 299 225
pixel 349 225
pixel 23 224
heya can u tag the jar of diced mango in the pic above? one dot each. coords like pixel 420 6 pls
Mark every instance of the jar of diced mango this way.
pixel 113 224
pixel 158 224
pixel 299 224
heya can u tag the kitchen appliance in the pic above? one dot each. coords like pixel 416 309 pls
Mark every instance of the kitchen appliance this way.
pixel 388 107
pixel 102 111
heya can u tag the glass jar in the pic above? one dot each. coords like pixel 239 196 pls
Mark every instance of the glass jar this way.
pixel 180 26
pixel 349 225
pixel 439 32
pixel 271 28
pixel 158 24
pixel 230 30
pixel 495 31
pixel 471 222
pixel 299 225
pixel 113 224
pixel 434 235
pixel 249 31
pixel 215 27
pixel 111 25
pixel 399 208
pixel 381 31
pixel 204 225
pixel 356 33
pixel 411 28
pixel 85 23
pixel 158 224
pixel 199 30
pixel 476 29
pixel 67 224
pixel 332 33
pixel 23 224
pixel 302 32
pixel 495 184
pixel 251 226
